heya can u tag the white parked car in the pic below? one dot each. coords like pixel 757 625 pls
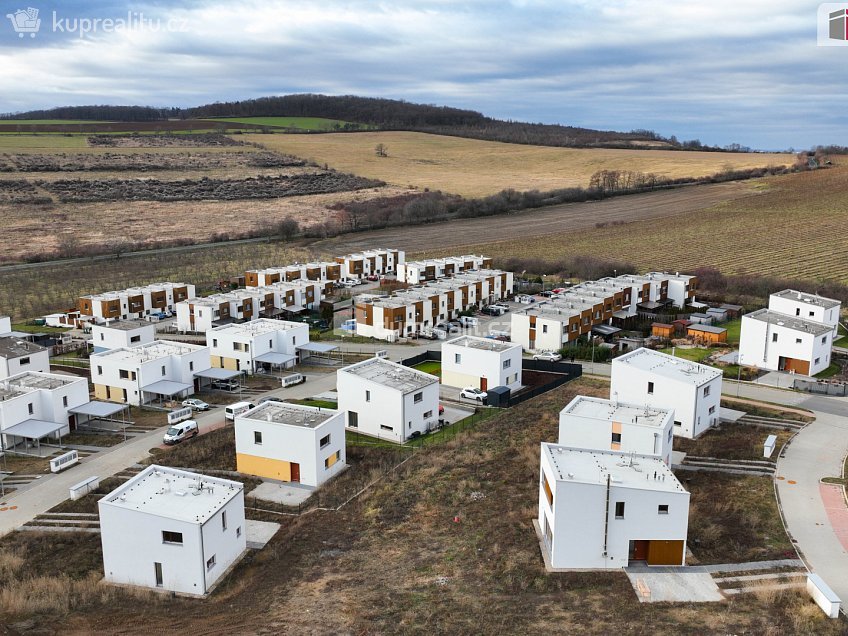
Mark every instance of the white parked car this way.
pixel 473 394
pixel 549 356
pixel 196 405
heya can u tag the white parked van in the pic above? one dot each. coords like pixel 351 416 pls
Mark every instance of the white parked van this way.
pixel 468 321
pixel 181 431
pixel 293 379
pixel 237 409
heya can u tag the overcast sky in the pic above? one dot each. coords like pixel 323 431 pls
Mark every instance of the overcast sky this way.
pixel 742 71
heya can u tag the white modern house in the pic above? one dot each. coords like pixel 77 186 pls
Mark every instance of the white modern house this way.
pixel 34 405
pixel 157 370
pixel 603 510
pixel 135 302
pixel 782 342
pixel 388 400
pixel 810 307
pixel 651 378
pixel 483 363
pixel 121 333
pixel 172 530
pixel 5 326
pixel 17 356
pixel 262 344
pixel 291 442
pixel 595 423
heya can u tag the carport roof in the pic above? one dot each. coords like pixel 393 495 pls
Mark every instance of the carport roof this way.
pixel 217 374
pixel 33 429
pixel 318 347
pixel 166 387
pixel 605 330
pixel 273 357
pixel 98 409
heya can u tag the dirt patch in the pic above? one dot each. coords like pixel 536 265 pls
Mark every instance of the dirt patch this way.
pixel 164 141
pixel 731 441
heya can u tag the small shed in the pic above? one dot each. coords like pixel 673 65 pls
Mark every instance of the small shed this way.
pixel 718 313
pixel 707 334
pixel 662 330
pixel 680 326
pixel 498 396
pixel 703 319
pixel 733 311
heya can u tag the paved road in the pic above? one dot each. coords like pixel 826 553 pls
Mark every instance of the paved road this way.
pixel 816 452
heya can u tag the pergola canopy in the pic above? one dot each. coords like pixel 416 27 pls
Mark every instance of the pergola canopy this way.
pixel 33 429
pixel 166 387
pixel 98 409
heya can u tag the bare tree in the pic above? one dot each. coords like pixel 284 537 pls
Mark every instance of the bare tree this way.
pixel 382 150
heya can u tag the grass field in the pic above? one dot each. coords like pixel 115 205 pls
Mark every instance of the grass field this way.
pixel 300 123
pixel 431 366
pixel 795 228
pixel 478 168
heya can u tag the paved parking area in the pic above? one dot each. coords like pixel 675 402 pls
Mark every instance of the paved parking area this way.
pixel 454 413
pixel 686 584
pixel 285 493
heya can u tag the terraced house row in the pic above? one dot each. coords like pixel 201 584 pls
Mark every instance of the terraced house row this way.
pixel 585 307
pixel 202 314
pixel 134 302
pixel 416 309
pixel 359 265
pixel 417 272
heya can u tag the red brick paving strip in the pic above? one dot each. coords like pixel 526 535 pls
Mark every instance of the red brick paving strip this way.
pixel 837 511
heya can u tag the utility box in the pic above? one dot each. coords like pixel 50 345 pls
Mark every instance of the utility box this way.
pixel 768 446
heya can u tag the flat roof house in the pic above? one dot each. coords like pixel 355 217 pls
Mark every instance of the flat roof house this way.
pixel 291 442
pixel 781 342
pixel 651 378
pixel 258 345
pixel 417 272
pixel 483 363
pixel 806 306
pixel 172 530
pixel 17 356
pixel 161 369
pixel 121 333
pixel 388 400
pixel 603 510
pixel 596 423
pixel 134 302
pixel 34 405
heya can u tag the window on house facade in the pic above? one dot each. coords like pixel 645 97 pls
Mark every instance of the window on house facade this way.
pixel 64 400
pixel 257 437
pixel 163 369
pixel 172 537
pixel 798 340
pixel 353 419
pixel 428 414
pixel 24 361
pixel 650 388
pixel 706 391
pixel 662 509
pixel 191 365
pixel 325 441
pixel 224 520
pixel 386 428
pixel 712 410
pixel 457 358
pixel 99 370
pixel 214 342
pixel 418 397
pixel 616 438
pixel 774 337
pixel 210 562
pixel 824 339
pixel 507 364
pixel 619 510
pixel 30 408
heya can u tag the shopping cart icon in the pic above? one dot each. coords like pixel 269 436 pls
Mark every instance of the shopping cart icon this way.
pixel 25 21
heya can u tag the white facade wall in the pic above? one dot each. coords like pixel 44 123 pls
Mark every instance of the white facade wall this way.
pixel 51 405
pixel 696 406
pixel 132 543
pixel 223 342
pixel 576 521
pixel 387 413
pixel 105 337
pixel 464 366
pixel 5 325
pixel 297 444
pixel 583 431
pixel 33 361
pixel 758 347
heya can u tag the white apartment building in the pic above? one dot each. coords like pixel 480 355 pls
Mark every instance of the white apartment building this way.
pixel 172 530
pixel 371 262
pixel 595 423
pixel 323 274
pixel 35 404
pixel 681 287
pixel 17 356
pixel 603 510
pixel 5 326
pixel 135 302
pixel 418 309
pixel 290 442
pixel 483 363
pixel 651 378
pixel 121 333
pixel 388 400
pixel 261 344
pixel 810 307
pixel 148 372
pixel 417 272
pixel 782 342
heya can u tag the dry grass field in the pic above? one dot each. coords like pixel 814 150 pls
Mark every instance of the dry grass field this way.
pixel 474 168
pixel 796 228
